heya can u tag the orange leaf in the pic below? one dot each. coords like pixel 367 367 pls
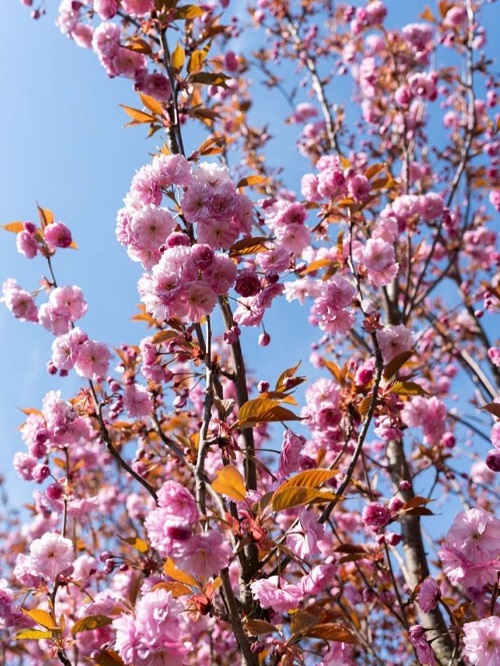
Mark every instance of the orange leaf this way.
pixel 90 623
pixel 34 634
pixel 13 227
pixel 291 497
pixel 248 246
pixel 152 104
pixel 263 411
pixel 171 570
pixel 137 543
pixel 230 482
pixel 258 627
pixel 252 180
pixel 46 216
pixel 137 116
pixel 41 617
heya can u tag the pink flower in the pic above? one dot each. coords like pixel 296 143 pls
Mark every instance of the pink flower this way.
pixel 199 300
pixel 24 465
pixel 428 413
pixel 138 7
pixel 57 234
pixel 428 595
pixel 376 515
pixel 425 655
pixel 275 593
pixel 155 85
pixel 482 641
pixel 204 554
pixel 152 635
pixel 178 501
pixel 150 226
pixel 166 531
pixel 303 540
pixel 65 306
pixel 303 111
pixel 172 170
pixel 220 274
pixel 137 400
pixel 106 8
pixel 380 260
pixel 26 244
pixel 394 340
pixel 470 553
pixel 65 348
pixel 290 453
pixel 93 360
pixel 19 301
pixel 50 555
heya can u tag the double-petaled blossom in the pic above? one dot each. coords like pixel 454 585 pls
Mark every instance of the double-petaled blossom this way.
pixel 429 414
pixel 20 302
pixel 50 555
pixel 470 553
pixel 153 634
pixel 274 592
pixel 64 307
pixel 482 641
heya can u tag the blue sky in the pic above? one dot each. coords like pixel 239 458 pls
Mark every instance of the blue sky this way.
pixel 63 145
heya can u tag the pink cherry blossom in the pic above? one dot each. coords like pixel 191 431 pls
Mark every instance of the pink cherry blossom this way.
pixel 429 594
pixel 137 400
pixel 27 244
pixel 276 593
pixel 93 360
pixel 380 261
pixel 19 301
pixel 50 555
pixel 424 651
pixel 57 235
pixel 482 641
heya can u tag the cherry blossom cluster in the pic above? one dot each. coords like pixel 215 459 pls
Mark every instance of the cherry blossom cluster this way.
pixel 171 524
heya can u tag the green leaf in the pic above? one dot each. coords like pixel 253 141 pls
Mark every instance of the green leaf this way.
pixel 90 623
pixel 230 482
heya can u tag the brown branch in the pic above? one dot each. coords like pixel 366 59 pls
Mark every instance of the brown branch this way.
pixel 248 658
pixel 105 436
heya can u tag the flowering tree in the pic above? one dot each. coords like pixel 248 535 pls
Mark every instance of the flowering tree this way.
pixel 164 531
